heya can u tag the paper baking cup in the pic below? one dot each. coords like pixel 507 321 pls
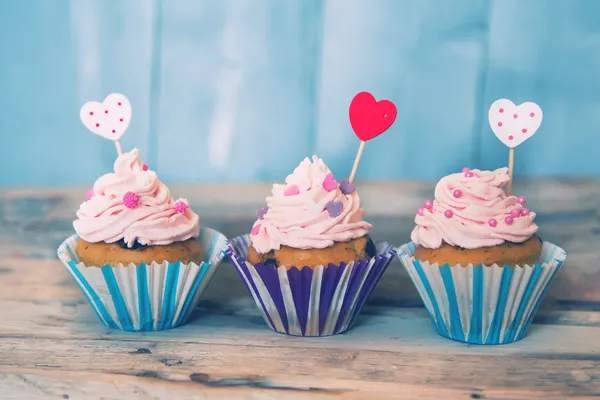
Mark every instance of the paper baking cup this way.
pixel 145 297
pixel 322 301
pixel 483 304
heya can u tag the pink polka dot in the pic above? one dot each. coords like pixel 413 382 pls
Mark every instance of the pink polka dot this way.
pixel 113 131
pixel 499 123
pixel 511 137
pixel 524 130
pixel 501 110
pixel 532 115
pixel 515 116
pixel 121 119
pixel 91 113
pixel 105 111
pixel 119 103
pixel 97 125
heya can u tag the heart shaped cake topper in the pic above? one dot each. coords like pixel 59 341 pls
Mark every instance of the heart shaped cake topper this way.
pixel 514 124
pixel 370 118
pixel 108 119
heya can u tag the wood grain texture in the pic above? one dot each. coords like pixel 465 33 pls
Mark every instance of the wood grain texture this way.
pixel 53 347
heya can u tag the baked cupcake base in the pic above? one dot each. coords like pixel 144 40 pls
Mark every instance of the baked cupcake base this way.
pixel 101 254
pixel 353 250
pixel 145 296
pixel 507 253
pixel 483 304
pixel 319 301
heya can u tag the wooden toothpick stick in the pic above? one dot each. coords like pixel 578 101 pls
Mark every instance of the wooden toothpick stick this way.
pixel 357 160
pixel 511 167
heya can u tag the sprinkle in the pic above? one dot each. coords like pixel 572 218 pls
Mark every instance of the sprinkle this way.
pixel 291 191
pixel 346 187
pixel 181 206
pixel 420 211
pixel 468 174
pixel 515 213
pixel 329 183
pixel 492 222
pixel 465 170
pixel 131 200
pixel 260 213
pixel 524 212
pixel 448 213
pixel 334 208
pixel 457 193
pixel 509 220
pixel 521 200
pixel 89 194
pixel 255 230
pixel 428 204
pixel 145 167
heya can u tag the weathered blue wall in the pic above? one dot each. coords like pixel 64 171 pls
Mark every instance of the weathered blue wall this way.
pixel 242 90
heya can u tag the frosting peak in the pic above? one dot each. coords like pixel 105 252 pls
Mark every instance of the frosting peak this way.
pixel 309 212
pixel 132 204
pixel 471 210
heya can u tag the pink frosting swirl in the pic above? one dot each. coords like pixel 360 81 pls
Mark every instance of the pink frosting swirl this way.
pixel 155 220
pixel 481 199
pixel 302 220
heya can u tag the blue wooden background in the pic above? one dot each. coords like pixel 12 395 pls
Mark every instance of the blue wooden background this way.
pixel 242 90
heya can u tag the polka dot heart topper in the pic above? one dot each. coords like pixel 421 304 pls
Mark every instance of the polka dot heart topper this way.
pixel 369 118
pixel 109 119
pixel 513 125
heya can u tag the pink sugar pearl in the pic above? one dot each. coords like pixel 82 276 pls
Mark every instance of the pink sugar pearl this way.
pixel 515 213
pixel 457 193
pixel 492 222
pixel 521 200
pixel 448 213
pixel 524 212
pixel 465 170
pixel 428 204
pixel 509 220
pixel 468 174
pixel 131 200
pixel 180 207
pixel 89 194
pixel 420 211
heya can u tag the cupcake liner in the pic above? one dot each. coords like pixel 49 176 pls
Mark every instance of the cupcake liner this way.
pixel 483 304
pixel 145 297
pixel 322 301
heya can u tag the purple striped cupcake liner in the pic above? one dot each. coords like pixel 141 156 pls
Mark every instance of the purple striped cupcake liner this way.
pixel 322 301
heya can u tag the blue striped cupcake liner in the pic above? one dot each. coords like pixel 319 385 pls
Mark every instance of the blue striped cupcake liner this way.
pixel 483 304
pixel 320 301
pixel 145 297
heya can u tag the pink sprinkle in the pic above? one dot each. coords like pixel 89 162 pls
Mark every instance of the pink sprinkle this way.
pixel 181 206
pixel 509 220
pixel 501 110
pixel 492 222
pixel 89 194
pixel 448 213
pixel 131 200
pixel 420 211
pixel 291 191
pixel 524 212
pixel 524 130
pixel 428 204
pixel 465 170
pixel 145 167
pixel 469 174
pixel 255 230
pixel 457 193
pixel 329 183
pixel 515 116
pixel 515 213
pixel 511 137
pixel 521 200
pixel 532 115
pixel 499 123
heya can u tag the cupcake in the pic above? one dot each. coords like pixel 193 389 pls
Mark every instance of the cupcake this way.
pixel 309 262
pixel 477 261
pixel 140 257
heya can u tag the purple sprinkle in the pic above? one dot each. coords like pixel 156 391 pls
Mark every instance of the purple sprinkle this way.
pixel 346 187
pixel 334 208
pixel 260 213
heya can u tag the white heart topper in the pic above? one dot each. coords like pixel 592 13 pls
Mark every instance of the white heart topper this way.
pixel 109 119
pixel 514 124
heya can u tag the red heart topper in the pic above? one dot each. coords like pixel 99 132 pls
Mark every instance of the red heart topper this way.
pixel 370 118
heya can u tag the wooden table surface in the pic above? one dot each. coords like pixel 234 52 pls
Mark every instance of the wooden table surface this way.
pixel 53 347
